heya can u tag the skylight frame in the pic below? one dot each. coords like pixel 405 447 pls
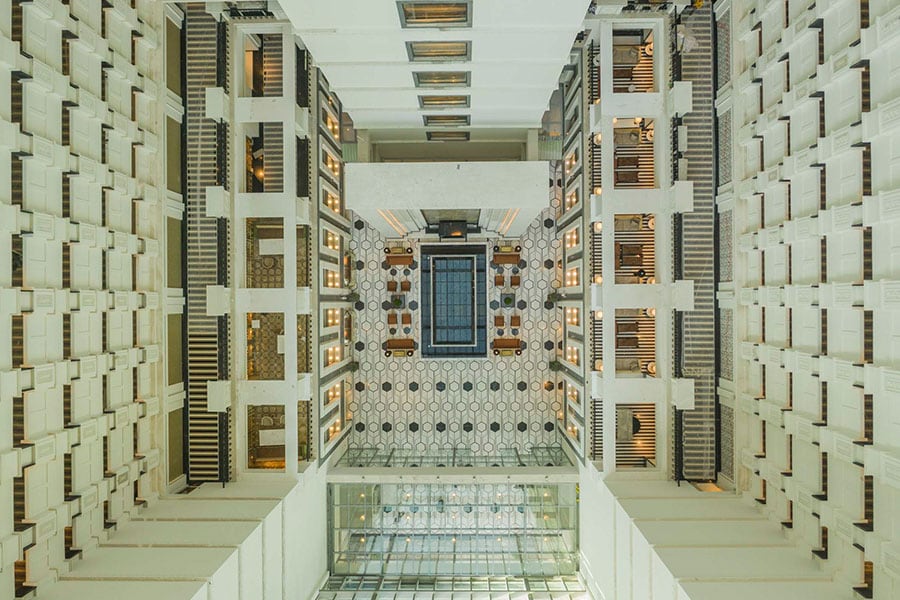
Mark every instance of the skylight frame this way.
pixel 445 120
pixel 433 101
pixel 448 136
pixel 425 23
pixel 420 79
pixel 437 57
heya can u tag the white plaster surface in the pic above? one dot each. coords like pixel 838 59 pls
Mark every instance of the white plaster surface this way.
pixel 397 187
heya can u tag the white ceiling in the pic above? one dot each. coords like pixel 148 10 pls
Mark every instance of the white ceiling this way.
pixel 391 196
pixel 518 50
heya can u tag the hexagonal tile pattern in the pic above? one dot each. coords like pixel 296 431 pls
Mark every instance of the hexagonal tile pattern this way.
pixel 399 400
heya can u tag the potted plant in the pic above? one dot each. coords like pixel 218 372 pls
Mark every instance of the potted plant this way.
pixel 353 367
pixel 555 366
pixel 352 297
pixel 554 297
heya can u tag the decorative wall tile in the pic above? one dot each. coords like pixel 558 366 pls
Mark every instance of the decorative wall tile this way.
pixel 483 404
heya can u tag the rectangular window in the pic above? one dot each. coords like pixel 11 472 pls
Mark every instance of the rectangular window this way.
pixel 332 240
pixel 174 363
pixel 435 14
pixel 446 120
pixel 444 101
pixel 444 79
pixel 447 136
pixel 174 252
pixel 175 449
pixel 173 57
pixel 332 317
pixel 173 156
pixel 439 51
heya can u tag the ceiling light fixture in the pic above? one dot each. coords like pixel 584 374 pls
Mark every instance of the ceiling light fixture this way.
pixel 439 51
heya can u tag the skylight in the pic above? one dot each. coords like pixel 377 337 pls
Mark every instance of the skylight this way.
pixel 435 14
pixel 439 51
pixel 444 101
pixel 446 120
pixel 447 136
pixel 444 79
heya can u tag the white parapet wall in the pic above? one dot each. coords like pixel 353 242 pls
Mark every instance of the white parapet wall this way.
pixel 391 196
pixel 257 539
pixel 657 540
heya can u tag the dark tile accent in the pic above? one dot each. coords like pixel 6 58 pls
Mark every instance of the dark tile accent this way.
pixel 359 225
pixel 386 386
pixel 495 386
pixel 549 426
pixel 442 427
pixel 522 386
pixel 413 386
pixel 440 386
pixel 360 427
pixel 467 427
pixel 360 386
pixel 467 386
pixel 495 426
pixel 548 223
pixel 414 427
pixel 359 346
pixel 522 426
pixel 386 427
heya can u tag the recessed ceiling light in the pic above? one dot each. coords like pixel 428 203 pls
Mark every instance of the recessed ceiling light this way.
pixel 439 51
pixel 431 13
pixel 446 120
pixel 444 101
pixel 447 136
pixel 442 79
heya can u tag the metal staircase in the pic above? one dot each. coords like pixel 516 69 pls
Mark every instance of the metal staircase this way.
pixel 202 244
pixel 697 230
